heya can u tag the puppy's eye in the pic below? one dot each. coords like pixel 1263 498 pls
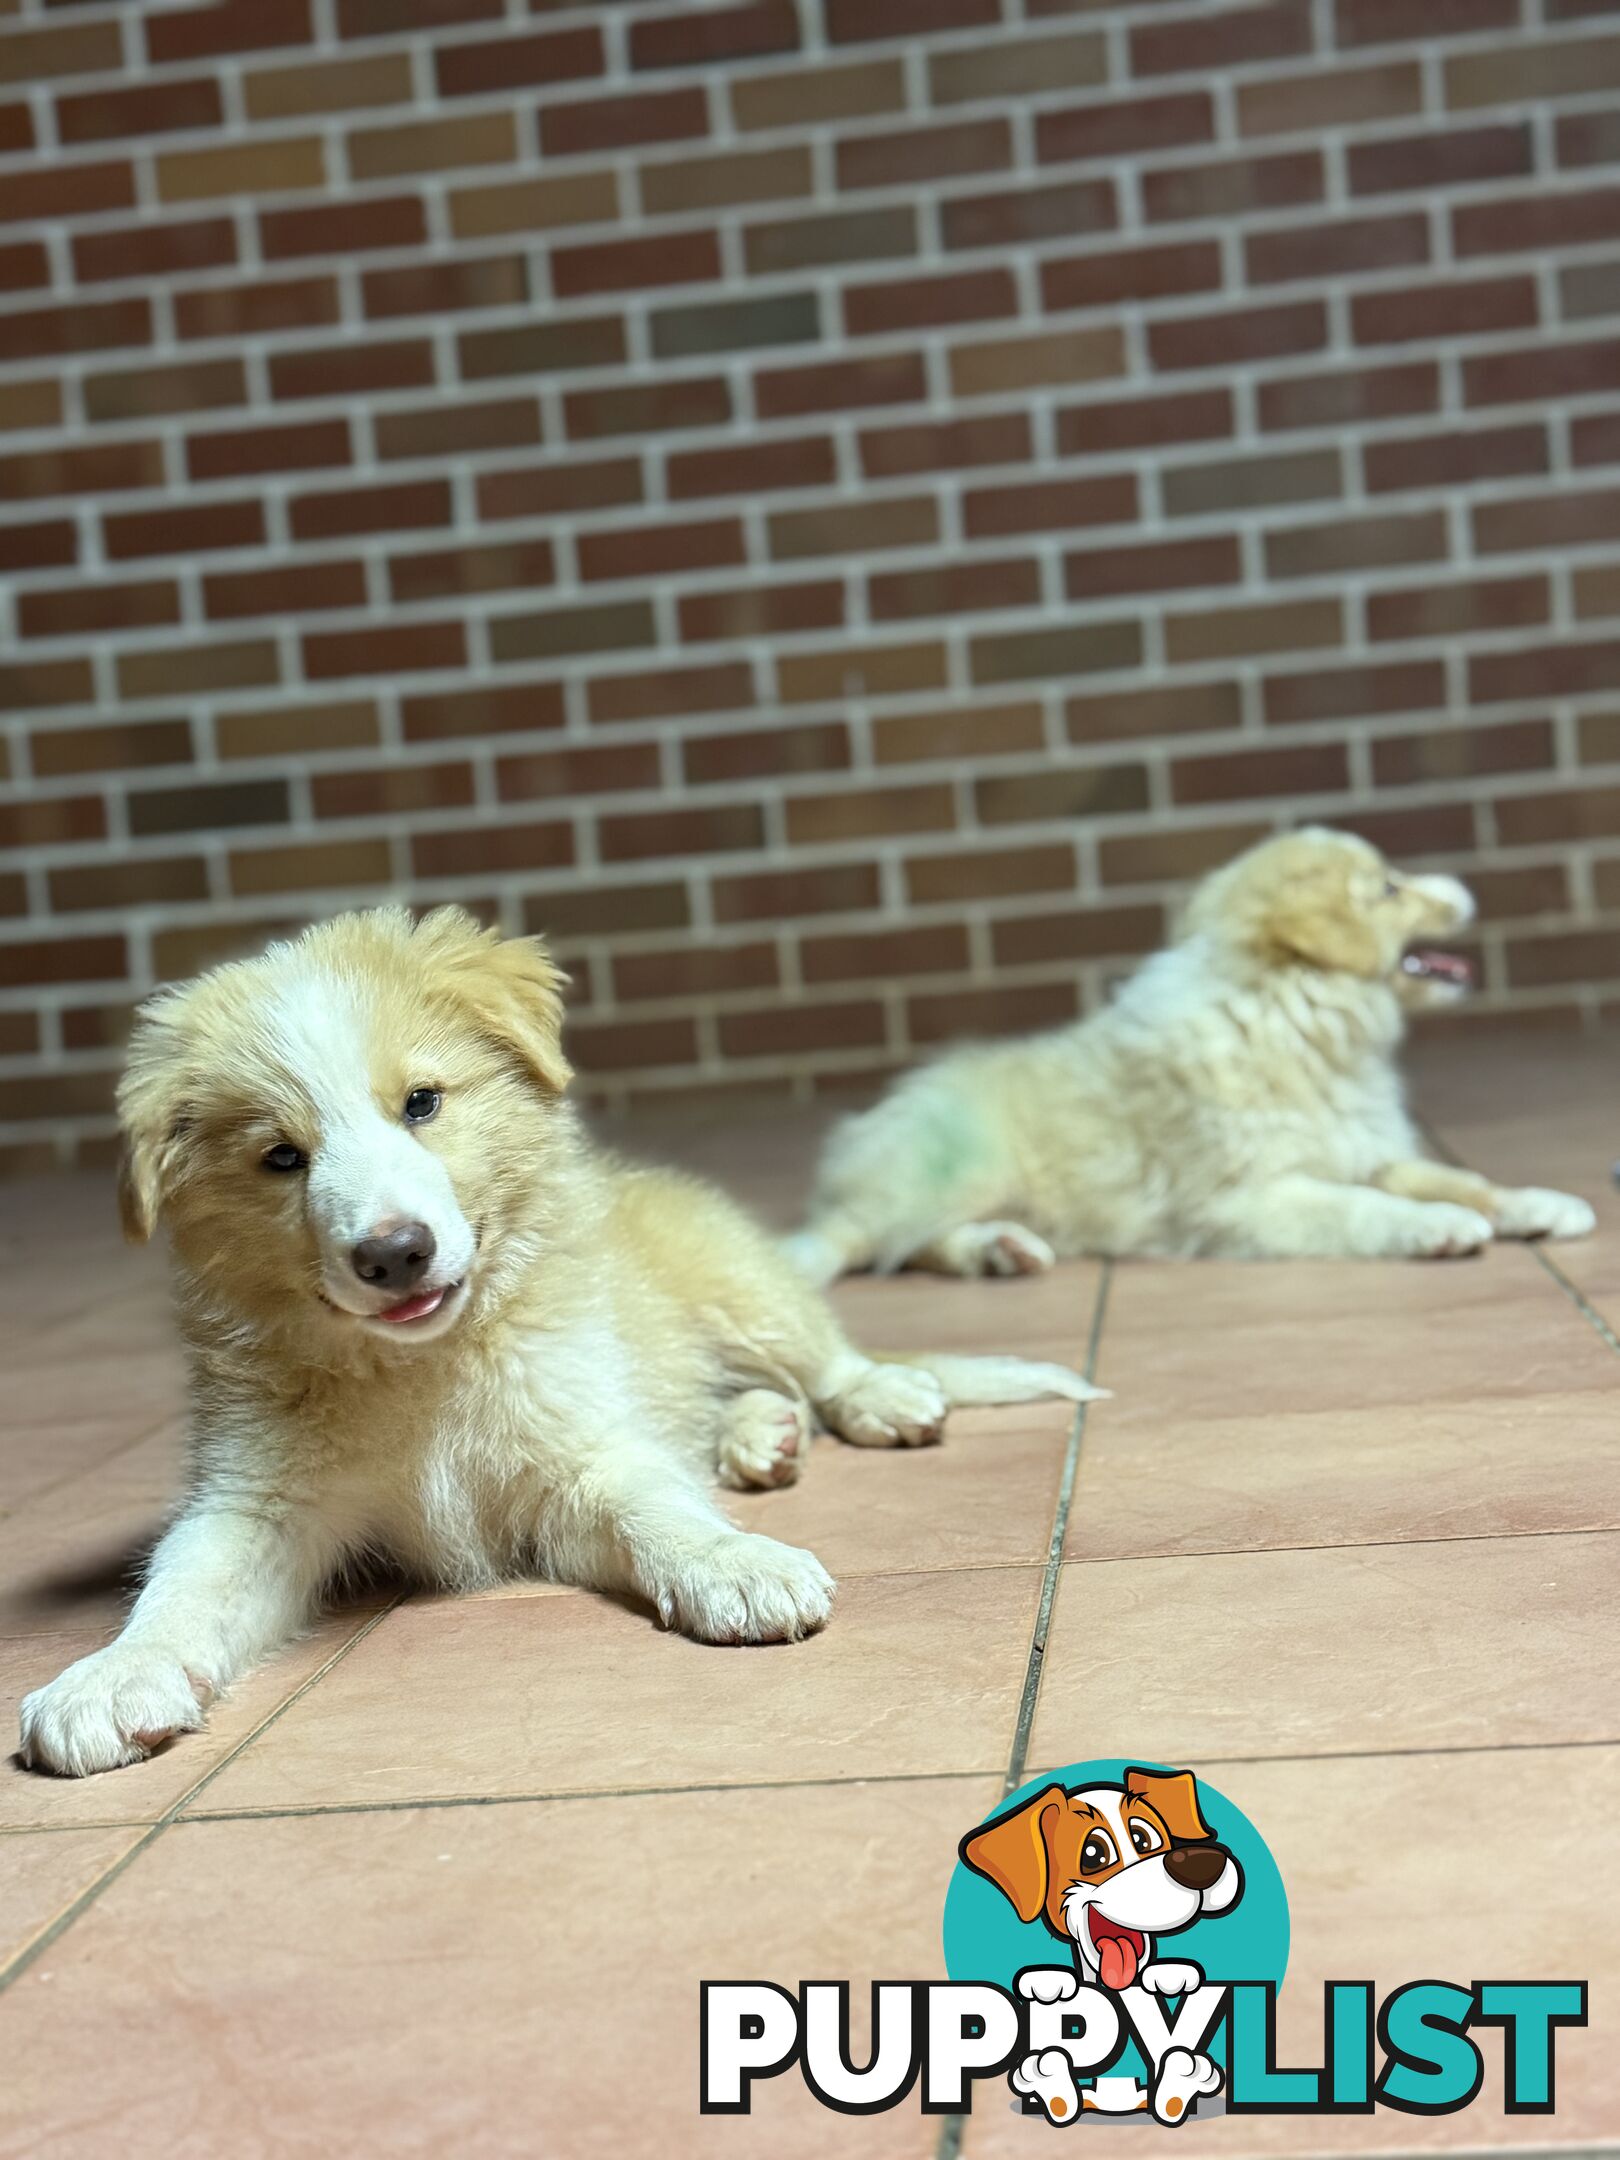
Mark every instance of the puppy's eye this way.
pixel 1392 891
pixel 1097 1852
pixel 284 1156
pixel 1144 1837
pixel 421 1104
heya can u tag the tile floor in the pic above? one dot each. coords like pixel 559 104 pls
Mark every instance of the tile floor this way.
pixel 1346 1541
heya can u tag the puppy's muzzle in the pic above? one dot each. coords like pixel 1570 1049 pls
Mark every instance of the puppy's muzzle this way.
pixel 394 1259
pixel 1195 1867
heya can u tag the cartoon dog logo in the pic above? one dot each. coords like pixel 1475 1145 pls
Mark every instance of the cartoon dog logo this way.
pixel 1110 1870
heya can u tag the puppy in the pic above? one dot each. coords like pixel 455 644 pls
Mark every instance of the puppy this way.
pixel 1239 1097
pixel 427 1319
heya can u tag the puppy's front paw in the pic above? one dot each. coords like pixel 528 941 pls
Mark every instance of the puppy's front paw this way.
pixel 747 1589
pixel 1532 1212
pixel 1049 2078
pixel 890 1406
pixel 1183 2079
pixel 764 1440
pixel 1445 1231
pixel 1048 1983
pixel 1170 1976
pixel 994 1248
pixel 111 1708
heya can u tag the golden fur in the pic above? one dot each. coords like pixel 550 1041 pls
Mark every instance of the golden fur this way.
pixel 1239 1096
pixel 597 1341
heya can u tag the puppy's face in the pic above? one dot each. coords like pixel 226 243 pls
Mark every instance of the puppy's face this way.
pixel 1329 900
pixel 346 1132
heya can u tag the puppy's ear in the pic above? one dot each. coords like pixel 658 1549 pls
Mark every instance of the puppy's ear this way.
pixel 1173 1794
pixel 152 1112
pixel 512 986
pixel 1014 1851
pixel 1291 898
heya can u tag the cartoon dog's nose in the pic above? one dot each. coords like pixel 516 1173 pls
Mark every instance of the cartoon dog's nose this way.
pixel 1195 1867
pixel 394 1259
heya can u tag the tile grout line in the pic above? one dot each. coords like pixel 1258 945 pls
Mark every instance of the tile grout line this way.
pixel 954 2126
pixel 55 1929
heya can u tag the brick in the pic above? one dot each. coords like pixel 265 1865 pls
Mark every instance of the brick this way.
pixel 1159 566
pixel 1454 458
pixel 1079 649
pixel 868 814
pixel 400 648
pixel 1125 127
pixel 140 881
pixel 186 529
pixel 331 86
pixel 647 408
pixel 1547 671
pixel 562 632
pixel 54 960
pixel 140 109
pixel 890 453
pixel 909 157
pixel 1514 225
pixel 796 1030
pixel 197 670
pixel 150 250
pixel 54 819
pixel 228 455
pixel 1588 138
pixel 16 127
pixel 1015 1009
pixel 1304 769
pixel 1018 68
pixel 1534 820
pixel 1233 187
pixel 1588 289
pixel 42 546
pixel 1526 70
pixel 690 37
pixel 24 264
pixel 1443 309
pixel 446 287
pixel 734 325
pixel 1250 483
pixel 1349 544
pixel 664 550
pixel 1178 709
pixel 923 303
pixel 81 610
pixel 754 610
pixel 291 731
pixel 331 865
pixel 834 385
pixel 804 96
pixel 873 955
pixel 351 370
pixel 1344 248
pixel 860 236
pixel 533 205
pixel 1570 957
pixel 1269 626
pixel 1439 158
pixel 1327 98
pixel 1004 365
pixel 851 21
pixel 493 65
pixel 57 752
pixel 389 18
pixel 1537 372
pixel 548 490
pixel 956 732
pixel 341 512
pixel 198 33
pixel 956 588
pixel 1093 933
pixel 845 528
pixel 432 146
pixel 690 184
pixel 513 708
pixel 1352 692
pixel 704 972
pixel 591 770
pixel 1219 38
pixel 210 807
pixel 1014 215
pixel 457 430
pixel 1383 22
pixel 88 48
pixel 1061 791
pixel 1462 753
pixel 83 1094
pixel 251 310
pixel 1457 610
pixel 760 753
pixel 1526 889
pixel 1144 423
pixel 620 123
pixel 541 348
pixel 771 895
pixel 719 829
pixel 1345 397
pixel 91 326
pixel 723 687
pixel 1595 439
pixel 1597 591
pixel 288 589
pixel 1238 335
pixel 49 192
pixel 686 258
pixel 1563 520
pixel 1599 734
pixel 751 468
pixel 252 168
pixel 338 228
pixel 391 791
pixel 1104 278
pixel 854 671
pixel 989 873
pixel 608 910
pixel 45 683
pixel 1175 856
pixel 445 573
pixel 1049 505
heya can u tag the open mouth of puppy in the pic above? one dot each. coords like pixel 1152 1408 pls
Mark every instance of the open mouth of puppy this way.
pixel 417 1311
pixel 1120 1949
pixel 1426 963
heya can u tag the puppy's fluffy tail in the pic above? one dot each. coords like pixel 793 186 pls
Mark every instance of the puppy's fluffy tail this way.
pixel 972 1382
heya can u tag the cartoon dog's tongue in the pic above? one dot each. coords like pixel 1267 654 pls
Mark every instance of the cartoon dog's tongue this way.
pixel 1119 1950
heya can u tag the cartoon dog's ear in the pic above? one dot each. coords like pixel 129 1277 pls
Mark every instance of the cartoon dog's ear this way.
pixel 512 986
pixel 1174 1794
pixel 1013 1851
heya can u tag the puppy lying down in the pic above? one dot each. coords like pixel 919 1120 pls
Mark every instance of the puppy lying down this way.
pixel 1239 1096
pixel 427 1319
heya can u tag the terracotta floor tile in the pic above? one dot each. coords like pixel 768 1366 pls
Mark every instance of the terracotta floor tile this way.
pixel 43 1871
pixel 42 1453
pixel 1471 1643
pixel 245 1986
pixel 916 1674
pixel 68 1554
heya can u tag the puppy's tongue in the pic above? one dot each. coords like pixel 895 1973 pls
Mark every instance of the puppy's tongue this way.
pixel 1434 966
pixel 1119 1951
pixel 414 1308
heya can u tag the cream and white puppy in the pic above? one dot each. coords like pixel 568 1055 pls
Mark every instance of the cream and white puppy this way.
pixel 427 1319
pixel 1239 1096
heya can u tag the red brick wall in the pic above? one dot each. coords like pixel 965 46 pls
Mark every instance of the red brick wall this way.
pixel 832 507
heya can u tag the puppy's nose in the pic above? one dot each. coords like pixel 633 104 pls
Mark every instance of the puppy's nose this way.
pixel 394 1259
pixel 1195 1867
